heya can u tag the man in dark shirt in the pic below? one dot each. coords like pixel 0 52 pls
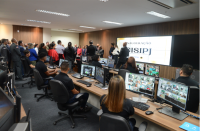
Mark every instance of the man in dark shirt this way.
pixel 184 77
pixel 68 83
pixel 111 50
pixel 27 54
pixel 91 49
pixel 20 43
pixel 4 51
pixel 42 68
pixel 95 61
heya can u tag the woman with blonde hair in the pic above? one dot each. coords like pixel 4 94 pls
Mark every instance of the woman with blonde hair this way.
pixel 115 101
pixel 33 55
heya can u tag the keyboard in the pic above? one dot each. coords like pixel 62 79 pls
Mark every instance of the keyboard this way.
pixel 77 75
pixel 139 105
pixel 84 82
pixel 52 67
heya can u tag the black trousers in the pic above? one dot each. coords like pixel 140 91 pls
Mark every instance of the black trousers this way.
pixel 119 64
pixel 17 66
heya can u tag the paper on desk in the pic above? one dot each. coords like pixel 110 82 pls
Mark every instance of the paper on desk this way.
pixel 143 100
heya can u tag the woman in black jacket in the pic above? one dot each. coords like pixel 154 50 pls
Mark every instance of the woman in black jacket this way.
pixel 42 48
pixel 69 53
pixel 131 65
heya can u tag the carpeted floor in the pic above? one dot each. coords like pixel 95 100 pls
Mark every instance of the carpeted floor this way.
pixel 45 112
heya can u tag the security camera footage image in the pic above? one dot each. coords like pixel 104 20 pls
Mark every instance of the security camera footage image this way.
pixel 111 63
pixel 100 74
pixel 140 83
pixel 140 67
pixel 84 58
pixel 173 92
pixel 88 71
pixel 61 61
pixel 152 70
pixel 103 61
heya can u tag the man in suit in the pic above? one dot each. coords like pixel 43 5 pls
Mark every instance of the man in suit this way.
pixel 111 50
pixel 91 49
pixel 124 53
pixel 5 51
pixel 16 58
pixel 21 48
pixel 75 51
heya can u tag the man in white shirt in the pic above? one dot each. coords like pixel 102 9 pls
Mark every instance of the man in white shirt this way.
pixel 60 49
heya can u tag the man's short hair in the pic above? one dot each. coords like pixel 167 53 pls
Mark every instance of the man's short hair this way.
pixel 95 58
pixel 90 42
pixel 59 41
pixel 42 55
pixel 112 44
pixel 4 40
pixel 187 69
pixel 19 42
pixel 64 66
pixel 26 52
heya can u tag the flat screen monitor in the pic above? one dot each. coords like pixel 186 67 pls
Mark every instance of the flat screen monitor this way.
pixel 3 76
pixel 88 71
pixel 103 61
pixel 173 92
pixel 150 49
pixel 140 83
pixel 111 63
pixel 100 75
pixel 48 59
pixel 152 70
pixel 140 67
pixel 84 59
pixel 61 61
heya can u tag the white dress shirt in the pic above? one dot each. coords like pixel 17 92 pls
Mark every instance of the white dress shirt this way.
pixel 60 49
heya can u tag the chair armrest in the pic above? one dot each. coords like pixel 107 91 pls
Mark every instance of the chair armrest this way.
pixel 79 95
pixel 143 126
pixel 100 112
pixel 48 78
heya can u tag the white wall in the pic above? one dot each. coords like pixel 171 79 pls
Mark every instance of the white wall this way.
pixel 6 31
pixel 65 37
pixel 46 35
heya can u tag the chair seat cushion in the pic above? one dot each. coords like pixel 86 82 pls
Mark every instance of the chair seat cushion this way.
pixel 64 107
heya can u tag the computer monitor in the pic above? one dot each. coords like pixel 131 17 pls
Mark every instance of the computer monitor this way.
pixel 152 70
pixel 88 71
pixel 175 94
pixel 103 61
pixel 140 83
pixel 100 75
pixel 84 59
pixel 111 63
pixel 61 60
pixel 47 58
pixel 3 75
pixel 140 67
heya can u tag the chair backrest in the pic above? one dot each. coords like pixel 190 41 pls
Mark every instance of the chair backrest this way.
pixel 60 92
pixel 38 79
pixel 27 68
pixel 122 73
pixel 110 122
pixel 193 102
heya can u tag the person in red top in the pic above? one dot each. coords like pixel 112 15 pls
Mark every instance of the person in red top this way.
pixel 53 53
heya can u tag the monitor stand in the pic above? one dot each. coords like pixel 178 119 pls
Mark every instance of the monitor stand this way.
pixel 173 112
pixel 101 86
pixel 140 99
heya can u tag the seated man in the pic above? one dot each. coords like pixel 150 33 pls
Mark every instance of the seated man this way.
pixel 184 77
pixel 27 54
pixel 42 68
pixel 68 83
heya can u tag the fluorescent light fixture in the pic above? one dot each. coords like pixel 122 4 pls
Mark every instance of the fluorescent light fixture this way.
pixel 110 22
pixel 103 0
pixel 88 27
pixel 75 29
pixel 53 13
pixel 45 22
pixel 157 14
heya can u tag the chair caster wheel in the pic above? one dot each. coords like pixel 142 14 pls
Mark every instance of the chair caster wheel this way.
pixel 73 127
pixel 59 113
pixel 54 123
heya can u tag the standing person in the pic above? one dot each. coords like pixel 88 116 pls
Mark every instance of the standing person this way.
pixel 25 46
pixel 5 51
pixel 47 46
pixel 60 49
pixel 20 44
pixel 115 101
pixel 124 53
pixel 33 57
pixel 111 49
pixel 69 53
pixel 42 48
pixel 16 58
pixel 131 65
pixel 52 53
pixel 75 51
pixel 100 51
pixel 97 47
pixel 115 53
pixel 36 48
pixel 86 49
pixel 91 49
pixel 95 61
pixel 83 51
pixel 79 51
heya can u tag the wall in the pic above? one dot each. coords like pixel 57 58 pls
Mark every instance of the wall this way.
pixel 105 37
pixel 6 31
pixel 46 35
pixel 28 34
pixel 65 37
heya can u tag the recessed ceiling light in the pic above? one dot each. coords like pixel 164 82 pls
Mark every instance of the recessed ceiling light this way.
pixel 158 14
pixel 45 22
pixel 75 29
pixel 53 13
pixel 104 0
pixel 88 27
pixel 110 22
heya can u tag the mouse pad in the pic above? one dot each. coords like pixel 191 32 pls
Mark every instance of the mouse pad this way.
pixel 189 127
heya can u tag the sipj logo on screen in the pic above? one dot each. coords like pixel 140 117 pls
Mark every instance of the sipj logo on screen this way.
pixel 145 51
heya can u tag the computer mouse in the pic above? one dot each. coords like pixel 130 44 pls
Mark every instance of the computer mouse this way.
pixel 149 112
pixel 88 85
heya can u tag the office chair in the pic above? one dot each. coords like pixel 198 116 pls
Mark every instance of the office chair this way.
pixel 193 102
pixel 40 85
pixel 28 72
pixel 109 122
pixel 61 96
pixel 122 73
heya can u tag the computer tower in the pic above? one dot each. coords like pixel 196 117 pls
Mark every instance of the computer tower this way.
pixel 17 109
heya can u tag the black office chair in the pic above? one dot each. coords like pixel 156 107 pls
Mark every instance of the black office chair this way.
pixel 40 85
pixel 28 72
pixel 61 96
pixel 122 73
pixel 109 122
pixel 193 102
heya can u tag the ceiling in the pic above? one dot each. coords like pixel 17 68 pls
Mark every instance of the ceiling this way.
pixel 91 13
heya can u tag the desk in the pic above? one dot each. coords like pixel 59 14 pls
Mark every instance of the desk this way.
pixel 113 72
